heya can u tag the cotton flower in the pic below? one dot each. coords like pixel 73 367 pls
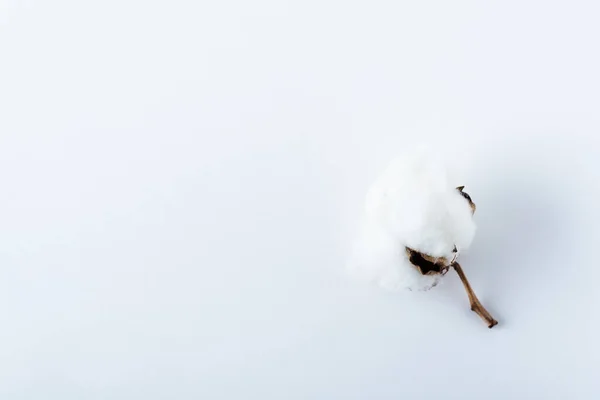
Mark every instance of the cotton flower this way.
pixel 416 224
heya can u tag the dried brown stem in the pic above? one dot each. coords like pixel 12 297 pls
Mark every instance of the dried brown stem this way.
pixel 475 304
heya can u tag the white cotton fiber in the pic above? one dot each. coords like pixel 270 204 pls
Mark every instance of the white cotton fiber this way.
pixel 413 203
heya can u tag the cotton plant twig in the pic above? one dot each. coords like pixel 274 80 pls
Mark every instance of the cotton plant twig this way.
pixel 428 265
pixel 476 305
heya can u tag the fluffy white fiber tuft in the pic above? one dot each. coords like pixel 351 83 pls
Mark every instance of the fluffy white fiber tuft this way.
pixel 412 203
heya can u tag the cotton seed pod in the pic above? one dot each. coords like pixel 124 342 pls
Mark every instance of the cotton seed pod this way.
pixel 416 224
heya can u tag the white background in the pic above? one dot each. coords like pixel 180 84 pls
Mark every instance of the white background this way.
pixel 180 182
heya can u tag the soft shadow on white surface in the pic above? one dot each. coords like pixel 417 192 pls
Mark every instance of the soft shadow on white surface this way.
pixel 526 227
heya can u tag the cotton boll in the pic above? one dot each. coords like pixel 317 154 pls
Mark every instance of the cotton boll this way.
pixel 414 204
